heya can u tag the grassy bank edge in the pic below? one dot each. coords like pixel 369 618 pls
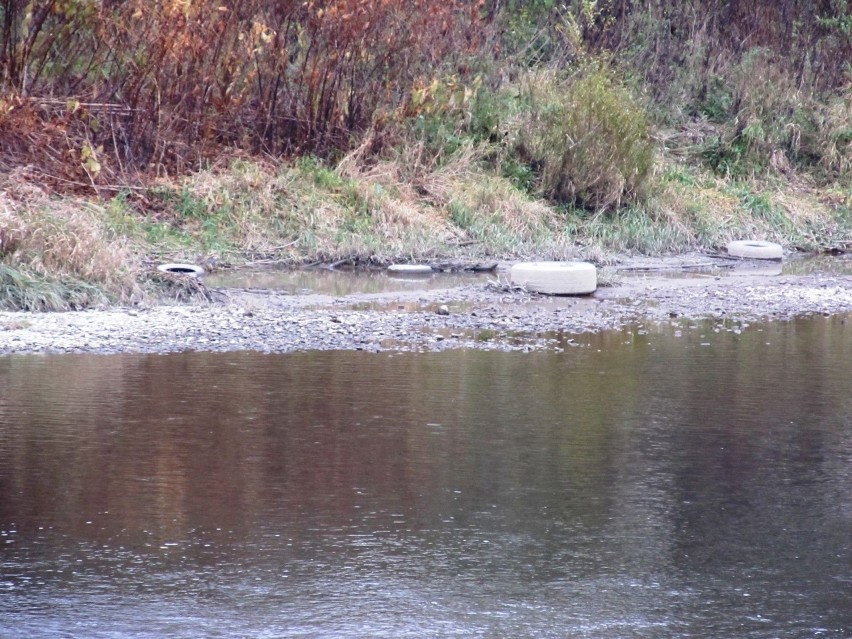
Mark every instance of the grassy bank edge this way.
pixel 71 253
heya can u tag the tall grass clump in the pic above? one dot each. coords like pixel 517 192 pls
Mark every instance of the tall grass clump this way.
pixel 59 255
pixel 834 136
pixel 766 123
pixel 458 207
pixel 586 139
pixel 489 214
pixel 20 291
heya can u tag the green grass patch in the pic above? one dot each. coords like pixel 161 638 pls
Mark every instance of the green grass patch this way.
pixel 586 139
pixel 20 291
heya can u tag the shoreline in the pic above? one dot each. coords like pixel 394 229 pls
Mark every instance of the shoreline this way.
pixel 479 316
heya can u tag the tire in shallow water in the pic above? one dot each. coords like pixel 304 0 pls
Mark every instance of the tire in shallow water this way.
pixel 556 278
pixel 755 250
pixel 410 269
pixel 190 270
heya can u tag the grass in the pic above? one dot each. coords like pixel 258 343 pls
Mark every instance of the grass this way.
pixel 549 151
pixel 21 291
pixel 59 254
pixel 586 137
pixel 68 253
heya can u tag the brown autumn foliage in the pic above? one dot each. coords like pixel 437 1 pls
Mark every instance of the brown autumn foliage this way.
pixel 93 92
pixel 90 89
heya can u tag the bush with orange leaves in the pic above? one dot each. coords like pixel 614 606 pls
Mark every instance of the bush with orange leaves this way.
pixel 165 85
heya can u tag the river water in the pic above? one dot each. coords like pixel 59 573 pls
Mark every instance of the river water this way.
pixel 691 481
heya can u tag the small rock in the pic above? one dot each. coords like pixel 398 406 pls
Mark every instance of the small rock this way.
pixel 443 310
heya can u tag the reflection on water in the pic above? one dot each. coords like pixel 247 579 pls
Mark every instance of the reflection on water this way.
pixel 828 266
pixel 646 485
pixel 821 265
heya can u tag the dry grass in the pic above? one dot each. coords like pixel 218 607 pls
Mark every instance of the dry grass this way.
pixel 390 209
pixel 70 253
pixel 363 211
pixel 835 136
pixel 63 241
pixel 706 210
pixel 306 212
pixel 458 206
pixel 292 213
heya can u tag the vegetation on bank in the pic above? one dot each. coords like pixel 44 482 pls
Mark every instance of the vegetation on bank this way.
pixel 372 130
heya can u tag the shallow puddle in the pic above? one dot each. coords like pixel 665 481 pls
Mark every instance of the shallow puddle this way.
pixel 824 265
pixel 339 282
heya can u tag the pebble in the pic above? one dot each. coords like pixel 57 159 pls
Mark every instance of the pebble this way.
pixel 284 323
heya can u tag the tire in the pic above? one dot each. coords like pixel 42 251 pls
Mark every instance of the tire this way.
pixel 190 270
pixel 409 269
pixel 755 250
pixel 555 278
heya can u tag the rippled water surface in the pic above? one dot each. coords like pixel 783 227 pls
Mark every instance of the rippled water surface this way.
pixel 689 484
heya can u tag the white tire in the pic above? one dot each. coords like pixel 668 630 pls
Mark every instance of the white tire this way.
pixel 409 269
pixel 190 270
pixel 555 278
pixel 755 250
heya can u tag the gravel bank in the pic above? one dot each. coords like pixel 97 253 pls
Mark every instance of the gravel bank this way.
pixel 477 316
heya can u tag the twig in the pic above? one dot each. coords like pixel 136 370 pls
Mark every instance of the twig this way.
pixel 724 256
pixel 106 187
pixel 505 287
pixel 283 246
pixel 334 265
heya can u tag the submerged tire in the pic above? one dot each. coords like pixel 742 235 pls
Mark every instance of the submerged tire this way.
pixel 755 250
pixel 409 269
pixel 556 278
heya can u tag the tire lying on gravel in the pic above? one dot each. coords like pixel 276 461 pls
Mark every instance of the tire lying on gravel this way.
pixel 755 250
pixel 555 278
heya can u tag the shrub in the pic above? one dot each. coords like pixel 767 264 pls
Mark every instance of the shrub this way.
pixel 586 139
pixel 768 123
pixel 834 138
pixel 165 85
